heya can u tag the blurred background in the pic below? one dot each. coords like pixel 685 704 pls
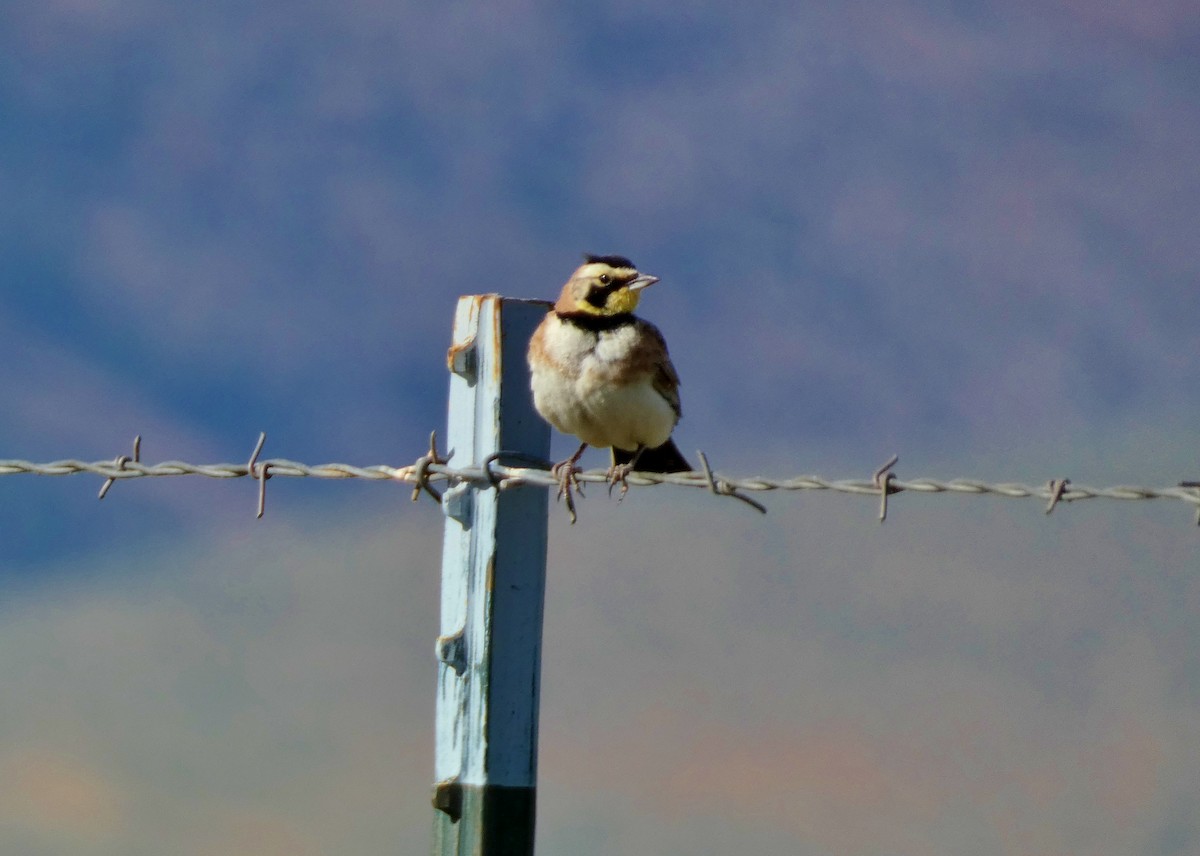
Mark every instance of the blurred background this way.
pixel 964 233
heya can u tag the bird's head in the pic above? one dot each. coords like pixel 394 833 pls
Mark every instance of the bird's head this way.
pixel 603 285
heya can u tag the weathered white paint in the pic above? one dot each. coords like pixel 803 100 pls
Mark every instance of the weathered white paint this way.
pixel 494 556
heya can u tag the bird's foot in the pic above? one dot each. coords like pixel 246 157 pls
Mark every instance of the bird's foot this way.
pixel 567 476
pixel 618 474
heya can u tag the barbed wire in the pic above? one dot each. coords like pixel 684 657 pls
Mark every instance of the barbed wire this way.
pixel 431 468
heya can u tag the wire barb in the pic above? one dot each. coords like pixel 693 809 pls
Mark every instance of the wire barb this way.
pixel 261 472
pixel 1194 484
pixel 421 470
pixel 121 461
pixel 1057 488
pixel 723 488
pixel 882 480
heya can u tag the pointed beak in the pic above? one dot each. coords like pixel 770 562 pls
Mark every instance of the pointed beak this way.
pixel 643 281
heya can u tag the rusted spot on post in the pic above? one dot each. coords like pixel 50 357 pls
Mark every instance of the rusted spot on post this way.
pixel 462 358
pixel 497 365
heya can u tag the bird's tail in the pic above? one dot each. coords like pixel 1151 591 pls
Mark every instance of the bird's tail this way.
pixel 664 459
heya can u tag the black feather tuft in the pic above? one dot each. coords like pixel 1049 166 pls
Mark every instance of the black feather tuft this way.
pixel 665 459
pixel 611 261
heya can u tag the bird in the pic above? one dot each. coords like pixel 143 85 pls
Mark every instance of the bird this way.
pixel 599 372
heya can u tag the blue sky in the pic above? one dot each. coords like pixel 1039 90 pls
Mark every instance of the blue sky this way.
pixel 964 233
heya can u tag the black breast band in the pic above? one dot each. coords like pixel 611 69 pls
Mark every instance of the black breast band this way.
pixel 597 323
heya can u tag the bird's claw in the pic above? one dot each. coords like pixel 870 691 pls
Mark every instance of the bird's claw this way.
pixel 619 473
pixel 567 475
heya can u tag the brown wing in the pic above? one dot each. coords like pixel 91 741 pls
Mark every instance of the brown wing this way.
pixel 650 354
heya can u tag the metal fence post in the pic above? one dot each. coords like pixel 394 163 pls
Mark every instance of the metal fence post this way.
pixel 493 581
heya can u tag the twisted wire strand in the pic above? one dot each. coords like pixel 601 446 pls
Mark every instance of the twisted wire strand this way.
pixel 505 477
pixel 136 469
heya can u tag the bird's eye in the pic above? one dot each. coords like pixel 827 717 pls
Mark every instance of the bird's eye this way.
pixel 605 279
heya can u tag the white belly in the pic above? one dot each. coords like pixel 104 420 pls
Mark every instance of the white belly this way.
pixel 602 415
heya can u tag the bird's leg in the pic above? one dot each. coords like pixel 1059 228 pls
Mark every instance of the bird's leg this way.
pixel 619 472
pixel 565 472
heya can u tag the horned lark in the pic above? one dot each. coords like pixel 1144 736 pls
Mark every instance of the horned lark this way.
pixel 604 375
